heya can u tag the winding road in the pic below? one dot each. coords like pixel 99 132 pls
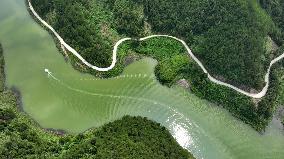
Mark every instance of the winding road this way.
pixel 114 58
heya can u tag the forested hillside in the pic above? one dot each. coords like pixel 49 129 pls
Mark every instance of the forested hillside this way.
pixel 230 38
pixel 129 137
pixel 275 8
pixel 83 24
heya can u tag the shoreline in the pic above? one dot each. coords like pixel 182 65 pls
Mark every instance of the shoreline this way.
pixel 4 70
pixel 20 108
pixel 19 102
pixel 259 95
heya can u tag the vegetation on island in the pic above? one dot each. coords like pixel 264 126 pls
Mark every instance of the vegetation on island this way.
pixel 229 38
pixel 129 137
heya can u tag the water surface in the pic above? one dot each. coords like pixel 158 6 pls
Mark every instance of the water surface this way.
pixel 79 101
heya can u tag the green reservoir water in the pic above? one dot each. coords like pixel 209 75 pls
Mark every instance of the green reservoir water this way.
pixel 76 102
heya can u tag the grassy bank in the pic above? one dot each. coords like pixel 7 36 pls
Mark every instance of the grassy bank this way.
pixel 129 137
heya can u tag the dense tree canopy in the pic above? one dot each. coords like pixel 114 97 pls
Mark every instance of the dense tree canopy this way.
pixel 228 37
pixel 275 8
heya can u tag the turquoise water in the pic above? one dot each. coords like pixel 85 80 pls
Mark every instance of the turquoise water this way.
pixel 76 102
